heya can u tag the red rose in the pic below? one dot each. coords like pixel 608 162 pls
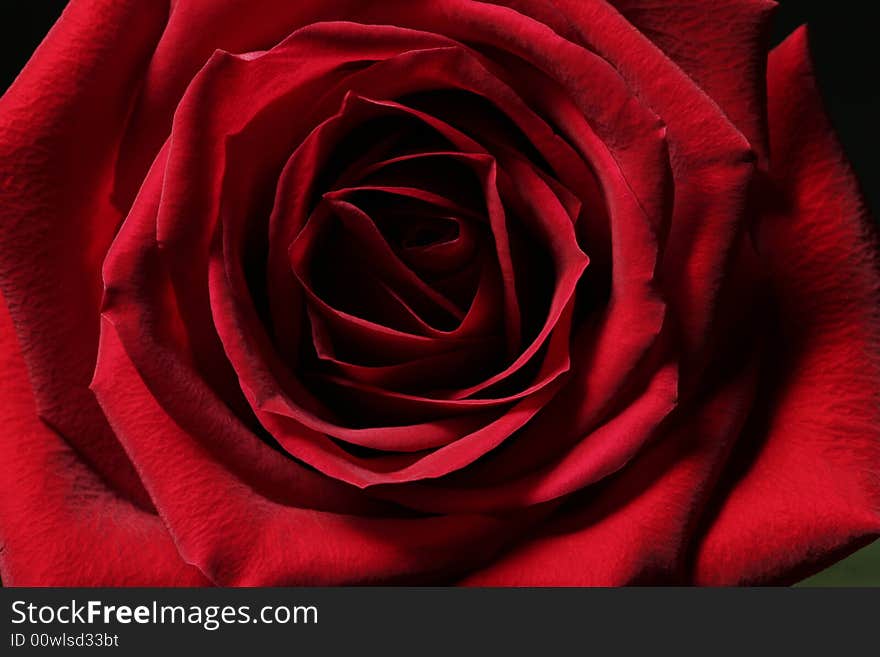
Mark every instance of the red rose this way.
pixel 527 292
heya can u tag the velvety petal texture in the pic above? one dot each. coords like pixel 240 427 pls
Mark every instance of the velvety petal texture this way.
pixel 803 485
pixel 60 522
pixel 534 292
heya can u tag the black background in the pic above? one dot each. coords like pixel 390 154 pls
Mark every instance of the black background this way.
pixel 844 44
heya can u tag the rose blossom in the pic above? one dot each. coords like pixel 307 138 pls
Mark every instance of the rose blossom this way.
pixel 530 292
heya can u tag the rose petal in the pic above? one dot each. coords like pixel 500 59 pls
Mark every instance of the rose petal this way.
pixel 60 523
pixel 239 537
pixel 636 529
pixel 712 177
pixel 724 50
pixel 806 488
pixel 56 213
